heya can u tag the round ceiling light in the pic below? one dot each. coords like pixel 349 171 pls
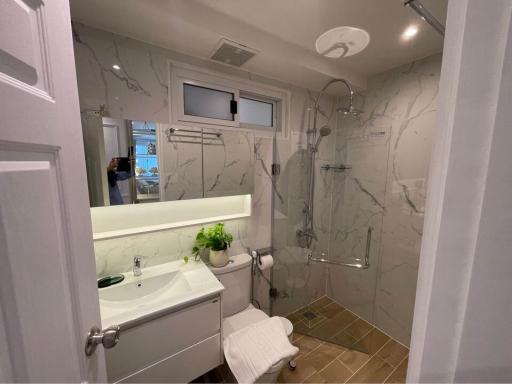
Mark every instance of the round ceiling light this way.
pixel 342 42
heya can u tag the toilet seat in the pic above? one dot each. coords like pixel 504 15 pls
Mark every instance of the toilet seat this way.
pixel 249 316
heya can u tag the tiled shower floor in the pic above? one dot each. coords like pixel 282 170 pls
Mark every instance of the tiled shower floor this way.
pixel 337 346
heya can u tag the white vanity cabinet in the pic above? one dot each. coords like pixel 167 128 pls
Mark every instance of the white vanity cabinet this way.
pixel 176 346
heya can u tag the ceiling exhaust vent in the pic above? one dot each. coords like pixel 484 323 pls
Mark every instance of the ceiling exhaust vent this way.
pixel 231 53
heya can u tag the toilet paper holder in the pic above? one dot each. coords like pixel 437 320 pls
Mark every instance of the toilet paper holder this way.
pixel 256 255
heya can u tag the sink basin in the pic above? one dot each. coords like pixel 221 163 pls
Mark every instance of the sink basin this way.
pixel 160 289
pixel 142 288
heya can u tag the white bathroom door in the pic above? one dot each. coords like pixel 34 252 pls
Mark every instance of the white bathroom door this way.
pixel 48 298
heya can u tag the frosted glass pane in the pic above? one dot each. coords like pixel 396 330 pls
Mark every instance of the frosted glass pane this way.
pixel 207 102
pixel 255 112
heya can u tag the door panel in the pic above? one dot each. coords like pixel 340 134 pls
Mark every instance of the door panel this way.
pixel 48 297
pixel 23 44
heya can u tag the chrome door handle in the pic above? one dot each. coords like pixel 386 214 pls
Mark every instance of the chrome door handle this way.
pixel 108 338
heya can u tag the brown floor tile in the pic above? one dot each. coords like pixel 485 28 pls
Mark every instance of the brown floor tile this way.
pixel 337 323
pixel 399 374
pixel 331 310
pixel 374 371
pixel 306 344
pixel 393 353
pixel 335 372
pixel 325 330
pixel 323 355
pixel 296 336
pixel 301 328
pixel 302 372
pixel 315 378
pixel 343 339
pixel 358 329
pixel 314 322
pixel 344 319
pixel 354 359
pixel 294 317
pixel 300 311
pixel 372 342
pixel 321 302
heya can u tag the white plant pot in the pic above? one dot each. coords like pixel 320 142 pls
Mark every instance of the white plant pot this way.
pixel 219 258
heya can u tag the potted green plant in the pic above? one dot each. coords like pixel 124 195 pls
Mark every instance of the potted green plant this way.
pixel 217 241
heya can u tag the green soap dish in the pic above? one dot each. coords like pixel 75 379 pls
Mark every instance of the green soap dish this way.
pixel 110 280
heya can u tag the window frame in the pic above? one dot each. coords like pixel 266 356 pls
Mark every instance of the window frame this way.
pixel 199 119
pixel 180 73
pixel 275 126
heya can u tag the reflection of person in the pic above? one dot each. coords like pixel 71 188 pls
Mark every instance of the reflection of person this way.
pixel 113 177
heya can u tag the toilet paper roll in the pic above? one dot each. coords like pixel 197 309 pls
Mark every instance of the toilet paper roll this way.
pixel 266 262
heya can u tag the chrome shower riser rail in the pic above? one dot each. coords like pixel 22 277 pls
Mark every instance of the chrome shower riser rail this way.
pixel 366 264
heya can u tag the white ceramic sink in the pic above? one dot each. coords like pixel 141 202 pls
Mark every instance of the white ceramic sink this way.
pixel 173 283
pixel 160 288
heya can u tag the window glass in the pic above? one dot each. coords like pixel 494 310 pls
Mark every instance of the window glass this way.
pixel 207 102
pixel 256 112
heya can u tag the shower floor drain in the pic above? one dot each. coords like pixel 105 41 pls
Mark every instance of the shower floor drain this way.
pixel 309 315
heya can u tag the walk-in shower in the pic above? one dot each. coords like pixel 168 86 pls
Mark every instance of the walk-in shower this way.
pixel 307 234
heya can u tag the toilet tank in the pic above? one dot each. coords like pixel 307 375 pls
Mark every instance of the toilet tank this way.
pixel 236 279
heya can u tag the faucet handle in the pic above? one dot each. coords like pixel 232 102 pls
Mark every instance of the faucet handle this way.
pixel 137 260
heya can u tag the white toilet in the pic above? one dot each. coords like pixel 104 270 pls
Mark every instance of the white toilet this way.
pixel 237 308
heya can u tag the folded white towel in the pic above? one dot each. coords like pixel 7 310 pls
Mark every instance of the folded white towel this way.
pixel 253 350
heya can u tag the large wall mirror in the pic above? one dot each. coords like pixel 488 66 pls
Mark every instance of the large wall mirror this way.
pixel 132 162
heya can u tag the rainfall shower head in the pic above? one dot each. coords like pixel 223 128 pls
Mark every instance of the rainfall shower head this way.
pixel 350 111
pixel 324 131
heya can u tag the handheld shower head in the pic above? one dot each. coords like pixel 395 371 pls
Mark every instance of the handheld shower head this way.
pixel 324 131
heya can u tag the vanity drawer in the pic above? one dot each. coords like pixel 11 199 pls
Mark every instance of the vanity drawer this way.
pixel 183 366
pixel 156 339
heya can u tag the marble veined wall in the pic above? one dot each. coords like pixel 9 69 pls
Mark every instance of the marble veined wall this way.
pixel 139 91
pixel 388 148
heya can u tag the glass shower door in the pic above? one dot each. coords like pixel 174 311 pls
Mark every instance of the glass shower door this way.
pixel 324 299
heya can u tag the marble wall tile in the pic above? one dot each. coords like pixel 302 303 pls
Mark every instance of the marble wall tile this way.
pixel 181 167
pixel 116 255
pixel 139 91
pixel 228 167
pixel 410 148
pixel 389 149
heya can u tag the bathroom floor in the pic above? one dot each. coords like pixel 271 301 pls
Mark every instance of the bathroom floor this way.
pixel 337 346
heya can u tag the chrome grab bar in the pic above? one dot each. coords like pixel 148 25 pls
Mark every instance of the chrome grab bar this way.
pixel 366 264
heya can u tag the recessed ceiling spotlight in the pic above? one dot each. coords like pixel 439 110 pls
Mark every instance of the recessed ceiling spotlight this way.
pixel 410 32
pixel 116 67
pixel 342 42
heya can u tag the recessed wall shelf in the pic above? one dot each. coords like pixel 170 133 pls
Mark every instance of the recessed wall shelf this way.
pixel 126 220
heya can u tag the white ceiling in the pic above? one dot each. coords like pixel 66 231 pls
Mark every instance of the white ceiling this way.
pixel 283 31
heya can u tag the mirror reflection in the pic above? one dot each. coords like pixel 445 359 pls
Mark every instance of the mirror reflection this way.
pixel 132 162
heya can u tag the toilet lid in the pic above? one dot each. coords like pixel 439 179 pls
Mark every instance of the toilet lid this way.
pixel 250 316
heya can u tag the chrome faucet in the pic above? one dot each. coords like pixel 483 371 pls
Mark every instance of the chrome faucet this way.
pixel 137 266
